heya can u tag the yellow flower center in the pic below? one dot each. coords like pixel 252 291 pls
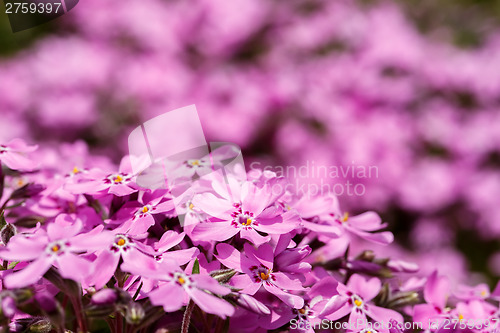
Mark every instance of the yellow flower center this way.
pixel 118 179
pixel 195 162
pixel 345 217
pixel 302 311
pixel 55 248
pixel 181 280
pixel 120 242
pixel 145 209
pixel 75 170
pixel 248 222
pixel 484 293
pixel 358 302
pixel 460 317
pixel 264 276
pixel 191 206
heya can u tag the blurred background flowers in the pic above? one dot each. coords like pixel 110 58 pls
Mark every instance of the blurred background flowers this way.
pixel 411 87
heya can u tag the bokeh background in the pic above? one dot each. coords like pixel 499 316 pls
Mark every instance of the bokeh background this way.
pixel 411 87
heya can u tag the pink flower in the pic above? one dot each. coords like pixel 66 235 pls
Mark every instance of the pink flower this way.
pixel 58 246
pixel 167 241
pixel 354 299
pixel 479 292
pixel 135 255
pixel 246 210
pixel 476 312
pixel 436 293
pixel 13 155
pixel 97 181
pixel 364 225
pixel 257 268
pixel 139 216
pixel 176 288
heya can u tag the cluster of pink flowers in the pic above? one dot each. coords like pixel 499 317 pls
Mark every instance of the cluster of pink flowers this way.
pixel 246 257
pixel 291 82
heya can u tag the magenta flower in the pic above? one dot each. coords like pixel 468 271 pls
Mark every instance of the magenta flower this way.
pixel 58 246
pixel 249 211
pixel 291 260
pixel 436 293
pixel 257 268
pixel 310 314
pixel 479 292
pixel 354 299
pixel 13 155
pixel 139 216
pixel 476 312
pixel 167 241
pixel 97 181
pixel 364 225
pixel 176 288
pixel 120 246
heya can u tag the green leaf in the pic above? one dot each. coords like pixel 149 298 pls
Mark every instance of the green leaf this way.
pixel 196 267
pixel 12 265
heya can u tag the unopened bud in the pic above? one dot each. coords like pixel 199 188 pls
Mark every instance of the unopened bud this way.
pixel 40 326
pixel 368 267
pixel 8 307
pixel 134 313
pixel 105 297
pixel 27 191
pixel 366 255
pixel 403 299
pixel 223 275
pixel 7 232
pixel 29 221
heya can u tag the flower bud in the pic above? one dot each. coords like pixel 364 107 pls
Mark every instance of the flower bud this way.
pixel 28 221
pixel 8 307
pixel 27 191
pixel 134 313
pixel 105 297
pixel 366 255
pixel 367 267
pixel 40 326
pixel 402 299
pixel 223 275
pixel 7 232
